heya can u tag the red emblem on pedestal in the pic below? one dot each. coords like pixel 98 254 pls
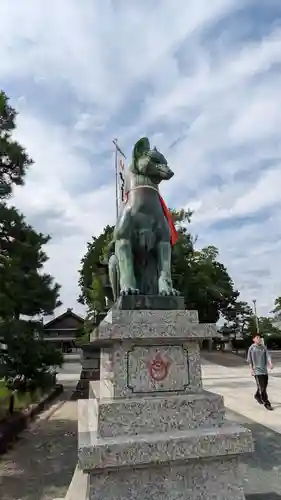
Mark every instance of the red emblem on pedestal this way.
pixel 158 368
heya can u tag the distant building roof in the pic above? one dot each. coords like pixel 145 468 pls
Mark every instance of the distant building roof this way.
pixel 67 314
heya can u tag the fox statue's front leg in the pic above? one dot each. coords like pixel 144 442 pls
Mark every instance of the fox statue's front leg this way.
pixel 165 284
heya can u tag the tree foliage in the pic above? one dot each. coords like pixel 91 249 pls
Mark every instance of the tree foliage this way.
pixel 277 308
pixel 96 305
pixel 266 327
pixel 14 160
pixel 201 278
pixel 238 316
pixel 96 252
pixel 27 355
pixel 25 290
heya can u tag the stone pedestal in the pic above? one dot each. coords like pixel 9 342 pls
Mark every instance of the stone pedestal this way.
pixel 90 362
pixel 149 430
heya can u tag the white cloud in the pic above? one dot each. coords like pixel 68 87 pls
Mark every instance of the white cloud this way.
pixel 221 100
pixel 264 193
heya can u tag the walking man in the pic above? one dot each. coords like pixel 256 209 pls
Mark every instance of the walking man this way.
pixel 259 361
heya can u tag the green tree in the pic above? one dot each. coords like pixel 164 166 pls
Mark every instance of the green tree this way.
pixel 201 278
pixel 24 288
pixel 28 355
pixel 203 281
pixel 26 292
pixel 237 314
pixel 14 160
pixel 96 305
pixel 181 217
pixel 265 326
pixel 277 308
pixel 96 252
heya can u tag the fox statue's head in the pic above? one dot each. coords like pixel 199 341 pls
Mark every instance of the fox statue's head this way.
pixel 150 162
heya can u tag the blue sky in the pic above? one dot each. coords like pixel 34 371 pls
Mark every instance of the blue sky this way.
pixel 200 78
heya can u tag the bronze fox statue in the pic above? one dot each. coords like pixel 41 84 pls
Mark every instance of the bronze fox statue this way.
pixel 140 253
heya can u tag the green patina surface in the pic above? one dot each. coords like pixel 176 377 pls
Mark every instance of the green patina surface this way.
pixel 141 260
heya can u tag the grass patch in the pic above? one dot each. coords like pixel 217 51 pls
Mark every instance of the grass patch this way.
pixel 4 391
pixel 22 399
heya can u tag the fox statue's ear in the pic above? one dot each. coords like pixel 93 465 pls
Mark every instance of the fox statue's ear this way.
pixel 142 146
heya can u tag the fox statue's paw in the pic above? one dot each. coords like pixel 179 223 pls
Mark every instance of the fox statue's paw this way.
pixel 166 287
pixel 129 290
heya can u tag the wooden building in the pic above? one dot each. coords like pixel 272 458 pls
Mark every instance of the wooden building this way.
pixel 63 330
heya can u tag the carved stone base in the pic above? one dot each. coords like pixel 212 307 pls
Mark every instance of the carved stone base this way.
pixel 149 430
pixel 173 447
pixel 197 480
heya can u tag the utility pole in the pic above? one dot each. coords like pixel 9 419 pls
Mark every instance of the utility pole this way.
pixel 117 150
pixel 256 317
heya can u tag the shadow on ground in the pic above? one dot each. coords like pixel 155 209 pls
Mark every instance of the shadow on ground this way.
pixel 263 496
pixel 44 470
pixel 227 383
pixel 226 359
pixel 232 360
pixel 261 470
pixel 41 464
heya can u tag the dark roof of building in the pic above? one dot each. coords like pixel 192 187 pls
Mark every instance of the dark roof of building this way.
pixel 67 314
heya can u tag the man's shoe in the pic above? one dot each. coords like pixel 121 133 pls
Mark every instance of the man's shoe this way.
pixel 258 400
pixel 268 407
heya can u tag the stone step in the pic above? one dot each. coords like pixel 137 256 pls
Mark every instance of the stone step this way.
pixel 149 429
pixel 153 316
pixel 132 416
pixel 163 448
pixel 152 324
pixel 204 480
pixel 181 330
pixel 79 486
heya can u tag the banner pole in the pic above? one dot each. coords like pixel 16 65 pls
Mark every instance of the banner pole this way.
pixel 117 150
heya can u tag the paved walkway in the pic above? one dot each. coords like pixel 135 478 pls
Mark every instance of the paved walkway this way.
pixel 230 377
pixel 41 464
pixel 261 471
pixel 238 387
